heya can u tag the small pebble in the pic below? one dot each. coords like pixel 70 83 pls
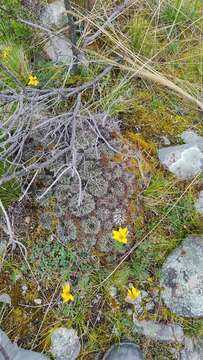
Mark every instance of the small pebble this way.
pixel 24 289
pixel 37 301
pixel 27 220
pixel 113 291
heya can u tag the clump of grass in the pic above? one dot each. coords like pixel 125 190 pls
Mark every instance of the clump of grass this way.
pixel 178 12
pixel 141 36
pixel 15 59
pixel 194 328
pixel 11 190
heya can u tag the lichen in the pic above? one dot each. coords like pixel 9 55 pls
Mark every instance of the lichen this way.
pixel 67 231
pixel 97 186
pixel 91 225
pixel 87 206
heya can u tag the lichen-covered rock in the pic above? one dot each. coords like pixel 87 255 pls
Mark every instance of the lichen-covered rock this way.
pixel 59 50
pixel 65 344
pixel 199 203
pixel 182 279
pixel 170 333
pixel 193 350
pixel 127 351
pixel 190 137
pixel 184 161
pixel 54 14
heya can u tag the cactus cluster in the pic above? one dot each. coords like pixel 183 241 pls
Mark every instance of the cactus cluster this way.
pixel 106 195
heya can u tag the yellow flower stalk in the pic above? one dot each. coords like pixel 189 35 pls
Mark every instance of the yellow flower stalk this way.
pixel 66 294
pixel 33 81
pixel 133 293
pixel 121 235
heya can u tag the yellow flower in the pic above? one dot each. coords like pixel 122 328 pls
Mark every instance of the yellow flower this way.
pixel 33 81
pixel 66 295
pixel 133 293
pixel 6 53
pixel 121 235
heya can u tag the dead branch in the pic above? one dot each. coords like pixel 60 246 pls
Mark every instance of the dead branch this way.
pixel 118 11
pixel 9 231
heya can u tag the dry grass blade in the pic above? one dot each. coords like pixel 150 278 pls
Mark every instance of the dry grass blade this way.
pixel 138 67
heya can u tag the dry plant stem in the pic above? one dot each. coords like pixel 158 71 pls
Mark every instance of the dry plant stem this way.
pixel 10 74
pixel 23 128
pixel 118 11
pixel 45 315
pixel 54 182
pixel 143 70
pixel 73 35
pixel 134 247
pixel 28 187
pixel 10 232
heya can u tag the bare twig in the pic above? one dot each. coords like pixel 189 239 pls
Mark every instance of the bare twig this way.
pixel 73 35
pixel 127 3
pixel 54 182
pixel 10 232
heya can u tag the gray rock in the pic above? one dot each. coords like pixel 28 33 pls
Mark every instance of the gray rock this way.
pixel 182 279
pixel 5 298
pixel 199 203
pixel 54 14
pixel 59 50
pixel 192 350
pixel 190 137
pixel 184 161
pixel 3 247
pixel 124 351
pixel 12 351
pixel 65 344
pixel 170 333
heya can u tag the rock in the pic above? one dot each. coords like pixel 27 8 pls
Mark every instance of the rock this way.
pixel 54 14
pixel 184 161
pixel 113 291
pixel 124 351
pixel 12 351
pixel 199 203
pixel 165 140
pixel 5 298
pixel 59 50
pixel 169 333
pixel 190 137
pixel 192 350
pixel 182 279
pixel 65 344
pixel 3 247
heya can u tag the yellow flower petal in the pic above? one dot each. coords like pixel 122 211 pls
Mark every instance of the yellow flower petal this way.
pixel 120 235
pixel 33 81
pixel 133 293
pixel 66 295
